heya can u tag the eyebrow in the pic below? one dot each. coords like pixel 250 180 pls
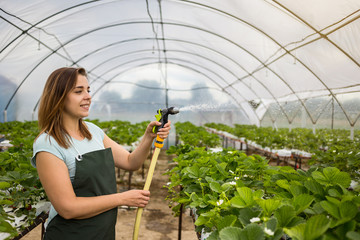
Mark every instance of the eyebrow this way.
pixel 82 87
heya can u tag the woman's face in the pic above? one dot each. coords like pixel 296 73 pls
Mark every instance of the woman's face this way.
pixel 78 100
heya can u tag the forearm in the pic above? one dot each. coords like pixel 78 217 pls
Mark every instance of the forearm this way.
pixel 140 154
pixel 86 207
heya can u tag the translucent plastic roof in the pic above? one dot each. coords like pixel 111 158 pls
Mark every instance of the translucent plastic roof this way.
pixel 262 58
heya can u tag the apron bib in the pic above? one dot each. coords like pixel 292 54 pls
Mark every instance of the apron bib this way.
pixel 94 176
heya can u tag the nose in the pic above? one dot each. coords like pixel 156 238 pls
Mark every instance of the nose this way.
pixel 87 95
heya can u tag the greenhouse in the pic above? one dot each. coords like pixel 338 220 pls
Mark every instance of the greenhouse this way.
pixel 264 139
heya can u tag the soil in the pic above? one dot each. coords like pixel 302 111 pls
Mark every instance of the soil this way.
pixel 158 221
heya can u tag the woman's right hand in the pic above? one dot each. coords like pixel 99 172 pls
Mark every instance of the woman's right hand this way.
pixel 135 198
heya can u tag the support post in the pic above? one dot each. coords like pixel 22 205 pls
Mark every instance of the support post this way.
pixel 352 132
pixel 332 113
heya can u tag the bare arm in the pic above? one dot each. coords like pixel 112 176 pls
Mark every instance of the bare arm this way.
pixel 133 161
pixel 54 177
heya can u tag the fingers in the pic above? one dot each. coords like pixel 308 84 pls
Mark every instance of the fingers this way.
pixel 164 132
pixel 136 198
pixel 144 199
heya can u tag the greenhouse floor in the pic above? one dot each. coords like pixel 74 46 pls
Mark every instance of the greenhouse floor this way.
pixel 157 220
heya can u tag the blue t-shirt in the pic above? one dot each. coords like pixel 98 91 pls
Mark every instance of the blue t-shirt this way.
pixel 46 143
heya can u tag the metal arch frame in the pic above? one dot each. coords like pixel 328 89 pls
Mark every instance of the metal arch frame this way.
pixel 182 25
pixel 42 20
pixel 324 36
pixel 289 51
pixel 193 43
pixel 262 63
pixel 113 25
pixel 193 69
pixel 134 60
pixel 146 22
pixel 181 65
pixel 184 61
pixel 162 25
pixel 197 29
pixel 181 51
pixel 253 27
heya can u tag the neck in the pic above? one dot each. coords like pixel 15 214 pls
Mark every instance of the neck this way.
pixel 71 125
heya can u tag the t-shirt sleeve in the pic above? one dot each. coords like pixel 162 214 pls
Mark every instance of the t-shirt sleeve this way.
pixel 45 143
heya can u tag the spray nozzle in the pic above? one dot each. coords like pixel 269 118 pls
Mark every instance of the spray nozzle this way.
pixel 162 116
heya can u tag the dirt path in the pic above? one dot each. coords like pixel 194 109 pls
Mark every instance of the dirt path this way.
pixel 157 221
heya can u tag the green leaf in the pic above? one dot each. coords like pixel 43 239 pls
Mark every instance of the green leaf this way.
pixel 296 232
pixel 272 224
pixel 312 229
pixel 314 187
pixel 193 171
pixel 258 194
pixel 283 183
pixel 6 227
pixel 348 210
pixel 214 235
pixel 252 232
pixel 331 208
pixel 286 217
pixel 215 186
pixel 230 233
pixel 245 198
pixel 302 202
pixel 332 176
pixel 4 185
pixel 225 187
pixel 334 193
pixel 246 214
pixel 221 167
pixel 269 205
pixel 316 226
pixel 353 235
pixel 201 220
pixel 344 228
pixel 238 202
pixel 227 221
pixel 297 190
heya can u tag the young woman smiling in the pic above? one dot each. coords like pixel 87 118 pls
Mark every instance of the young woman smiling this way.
pixel 76 162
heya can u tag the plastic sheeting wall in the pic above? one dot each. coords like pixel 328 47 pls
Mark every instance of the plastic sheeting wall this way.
pixel 258 61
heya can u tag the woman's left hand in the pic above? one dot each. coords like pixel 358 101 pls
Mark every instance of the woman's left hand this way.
pixel 162 132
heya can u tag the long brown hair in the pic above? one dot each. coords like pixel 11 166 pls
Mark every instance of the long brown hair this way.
pixel 57 87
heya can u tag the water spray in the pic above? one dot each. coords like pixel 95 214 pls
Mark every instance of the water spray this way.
pixel 162 117
pixel 205 107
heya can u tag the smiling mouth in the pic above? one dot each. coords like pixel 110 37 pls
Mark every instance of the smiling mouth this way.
pixel 86 106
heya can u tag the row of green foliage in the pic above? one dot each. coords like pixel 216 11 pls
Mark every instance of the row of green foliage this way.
pixel 242 197
pixel 122 132
pixel 19 184
pixel 196 136
pixel 331 147
pixel 20 188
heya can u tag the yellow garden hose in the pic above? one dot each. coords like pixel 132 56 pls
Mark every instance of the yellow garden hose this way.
pixel 159 143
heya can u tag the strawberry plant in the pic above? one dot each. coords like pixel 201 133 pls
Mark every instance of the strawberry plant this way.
pixel 330 147
pixel 235 196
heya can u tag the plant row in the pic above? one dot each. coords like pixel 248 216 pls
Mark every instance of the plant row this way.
pixel 20 188
pixel 236 196
pixel 330 147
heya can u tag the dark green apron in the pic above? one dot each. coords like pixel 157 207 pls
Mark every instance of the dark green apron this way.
pixel 94 176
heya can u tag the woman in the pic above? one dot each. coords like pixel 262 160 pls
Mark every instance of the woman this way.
pixel 76 162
